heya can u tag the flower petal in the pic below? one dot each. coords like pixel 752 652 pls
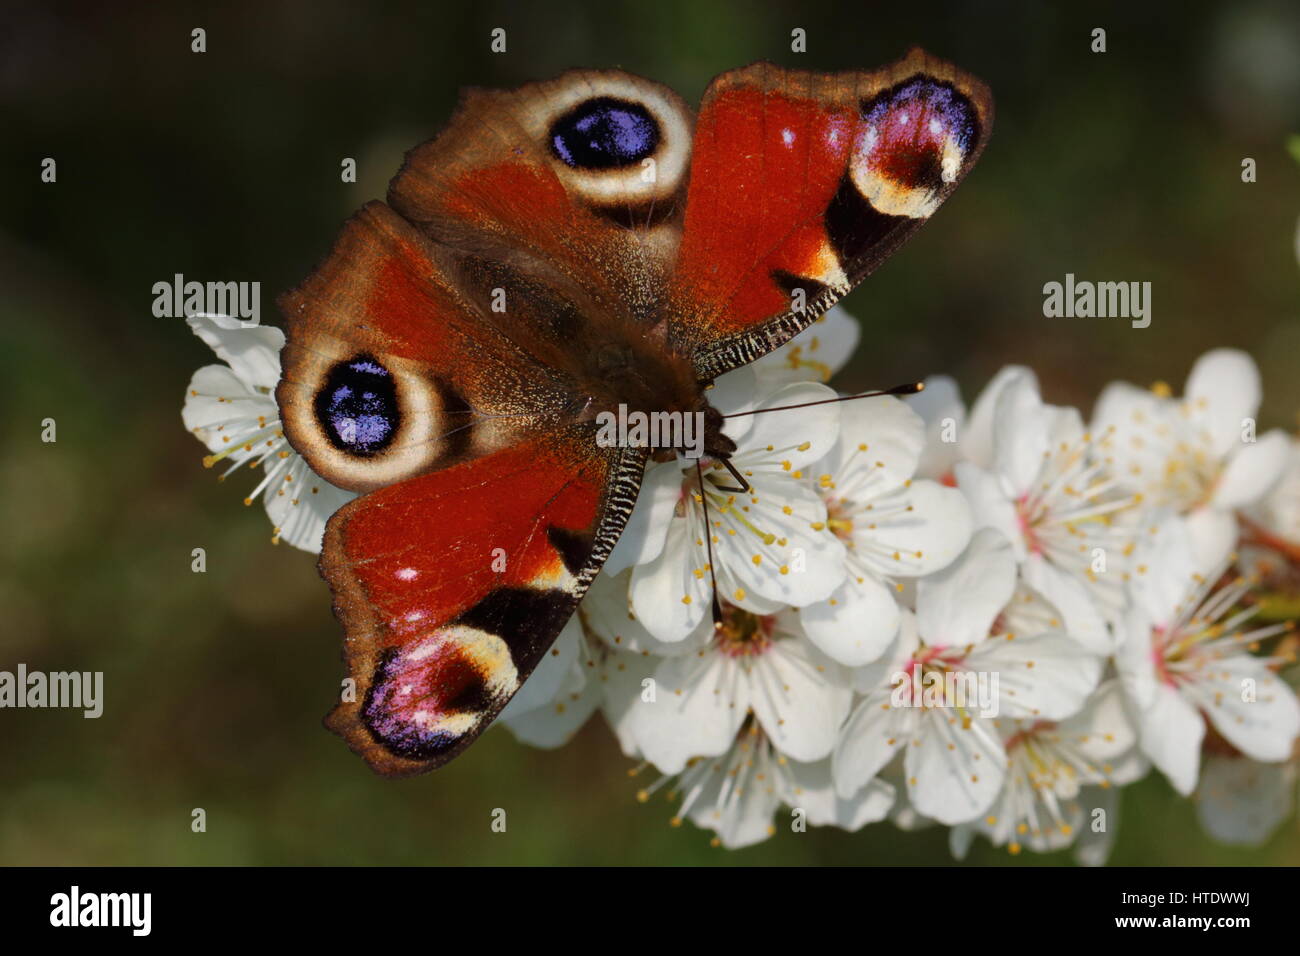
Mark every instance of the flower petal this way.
pixel 990 504
pixel 896 656
pixel 667 597
pixel 643 537
pixel 1164 562
pixel 1280 511
pixel 788 440
pixel 800 697
pixel 557 699
pixel 217 397
pixel 698 706
pixel 252 353
pixel 977 437
pixel 300 508
pixel 940 407
pixel 759 536
pixel 623 678
pixel 1250 705
pixel 1021 433
pixel 1251 471
pixel 739 796
pixel 1242 802
pixel 737 391
pixel 956 769
pixel 856 624
pixel 1212 537
pixel 1081 615
pixel 1171 731
pixel 607 612
pixel 811 789
pixel 1103 730
pixel 551 674
pixel 554 725
pixel 875 731
pixel 1135 661
pixel 816 353
pixel 931 526
pixel 1222 390
pixel 880 440
pixel 957 606
pixel 1046 676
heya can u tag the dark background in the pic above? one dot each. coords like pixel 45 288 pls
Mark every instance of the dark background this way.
pixel 225 165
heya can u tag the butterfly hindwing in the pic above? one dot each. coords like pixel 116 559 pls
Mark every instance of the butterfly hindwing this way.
pixel 384 315
pixel 452 585
pixel 801 184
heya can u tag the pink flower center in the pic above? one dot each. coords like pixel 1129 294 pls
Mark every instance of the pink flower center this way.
pixel 1027 526
pixel 1158 643
pixel 744 634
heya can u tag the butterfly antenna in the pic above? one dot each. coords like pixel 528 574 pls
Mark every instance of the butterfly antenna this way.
pixel 911 388
pixel 708 544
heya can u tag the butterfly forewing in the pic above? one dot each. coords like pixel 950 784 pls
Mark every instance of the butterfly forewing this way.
pixel 801 184
pixel 583 175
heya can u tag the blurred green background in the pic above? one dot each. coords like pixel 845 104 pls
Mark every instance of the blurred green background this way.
pixel 1120 166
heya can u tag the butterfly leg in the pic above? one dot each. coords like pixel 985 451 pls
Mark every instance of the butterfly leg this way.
pixel 716 606
pixel 744 486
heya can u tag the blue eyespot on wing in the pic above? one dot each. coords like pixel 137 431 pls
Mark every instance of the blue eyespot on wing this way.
pixel 604 133
pixel 357 407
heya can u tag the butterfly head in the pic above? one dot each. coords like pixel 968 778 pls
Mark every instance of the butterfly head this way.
pixel 638 392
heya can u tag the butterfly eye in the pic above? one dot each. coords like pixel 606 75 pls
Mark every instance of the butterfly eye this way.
pixel 360 422
pixel 605 133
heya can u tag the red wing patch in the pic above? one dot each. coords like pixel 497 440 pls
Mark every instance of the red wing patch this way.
pixel 738 226
pixel 452 585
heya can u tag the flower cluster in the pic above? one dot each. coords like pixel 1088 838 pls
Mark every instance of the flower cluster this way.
pixel 989 619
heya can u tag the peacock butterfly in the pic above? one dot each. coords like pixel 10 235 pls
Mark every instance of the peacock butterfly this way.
pixel 559 251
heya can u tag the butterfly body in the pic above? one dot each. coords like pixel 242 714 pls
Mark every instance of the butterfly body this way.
pixel 567 251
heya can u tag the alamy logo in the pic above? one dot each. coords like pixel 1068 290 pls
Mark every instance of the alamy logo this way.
pixel 73 689
pixel 75 908
pixel 238 300
pixel 971 690
pixel 683 431
pixel 1102 300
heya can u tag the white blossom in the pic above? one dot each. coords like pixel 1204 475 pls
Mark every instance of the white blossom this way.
pixel 231 409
